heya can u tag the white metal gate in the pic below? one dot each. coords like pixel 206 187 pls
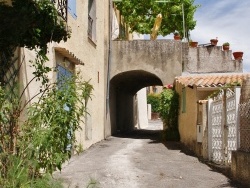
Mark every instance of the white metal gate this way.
pixel 217 124
pixel 231 124
pixel 224 125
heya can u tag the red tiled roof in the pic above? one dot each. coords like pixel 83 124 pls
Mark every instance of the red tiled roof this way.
pixel 211 80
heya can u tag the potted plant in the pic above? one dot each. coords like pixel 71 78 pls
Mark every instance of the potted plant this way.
pixel 177 36
pixel 214 41
pixel 193 44
pixel 226 46
pixel 238 55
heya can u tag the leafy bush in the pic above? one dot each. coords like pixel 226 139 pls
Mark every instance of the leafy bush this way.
pixel 169 107
pixel 45 139
pixel 154 100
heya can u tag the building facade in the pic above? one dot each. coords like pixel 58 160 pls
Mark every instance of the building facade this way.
pixel 85 51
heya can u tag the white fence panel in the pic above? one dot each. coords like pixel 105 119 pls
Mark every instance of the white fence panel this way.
pixel 217 132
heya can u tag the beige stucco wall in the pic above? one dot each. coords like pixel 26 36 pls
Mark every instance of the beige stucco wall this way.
pixel 94 57
pixel 188 119
pixel 160 57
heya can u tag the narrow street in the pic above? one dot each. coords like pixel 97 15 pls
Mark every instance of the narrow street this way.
pixel 139 160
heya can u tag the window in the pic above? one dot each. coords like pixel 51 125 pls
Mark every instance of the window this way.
pixel 183 100
pixel 92 20
pixel 72 8
pixel 62 75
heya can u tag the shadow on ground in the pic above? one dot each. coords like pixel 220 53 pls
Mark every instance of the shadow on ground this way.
pixel 156 136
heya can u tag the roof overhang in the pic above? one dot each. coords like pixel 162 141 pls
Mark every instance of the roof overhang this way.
pixel 69 55
pixel 208 88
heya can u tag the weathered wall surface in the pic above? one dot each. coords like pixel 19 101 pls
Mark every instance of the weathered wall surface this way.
pixel 160 57
pixel 240 167
pixel 188 119
pixel 94 56
pixel 142 109
pixel 210 59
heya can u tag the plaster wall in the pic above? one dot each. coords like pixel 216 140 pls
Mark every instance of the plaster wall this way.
pixel 188 119
pixel 210 59
pixel 142 109
pixel 94 56
pixel 240 167
pixel 161 57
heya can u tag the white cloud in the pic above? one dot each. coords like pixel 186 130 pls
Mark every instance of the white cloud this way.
pixel 229 20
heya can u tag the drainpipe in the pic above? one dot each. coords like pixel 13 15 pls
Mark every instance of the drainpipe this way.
pixel 109 65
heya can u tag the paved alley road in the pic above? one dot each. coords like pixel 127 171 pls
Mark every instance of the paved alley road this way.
pixel 139 160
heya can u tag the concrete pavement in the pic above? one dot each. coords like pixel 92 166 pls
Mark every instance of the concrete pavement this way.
pixel 139 160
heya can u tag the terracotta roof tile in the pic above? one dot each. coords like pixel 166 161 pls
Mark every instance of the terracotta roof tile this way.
pixel 211 80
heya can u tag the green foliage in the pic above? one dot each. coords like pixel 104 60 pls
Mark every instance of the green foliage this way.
pixel 19 174
pixel 154 100
pixel 31 24
pixel 9 112
pixel 53 121
pixel 46 138
pixel 140 15
pixel 169 108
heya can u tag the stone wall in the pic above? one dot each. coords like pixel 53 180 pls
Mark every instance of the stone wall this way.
pixel 160 57
pixel 210 59
pixel 241 167
pixel 244 115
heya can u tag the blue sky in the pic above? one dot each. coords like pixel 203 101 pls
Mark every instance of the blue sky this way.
pixel 229 20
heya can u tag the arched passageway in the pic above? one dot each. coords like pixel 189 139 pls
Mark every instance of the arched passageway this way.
pixel 123 88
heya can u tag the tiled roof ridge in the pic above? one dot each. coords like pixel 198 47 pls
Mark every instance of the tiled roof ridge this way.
pixel 212 79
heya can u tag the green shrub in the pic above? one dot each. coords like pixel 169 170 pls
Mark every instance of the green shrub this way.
pixel 154 100
pixel 45 139
pixel 169 107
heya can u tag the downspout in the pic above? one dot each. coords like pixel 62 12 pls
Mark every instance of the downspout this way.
pixel 109 65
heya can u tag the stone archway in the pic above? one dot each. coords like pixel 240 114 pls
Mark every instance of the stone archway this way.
pixel 123 88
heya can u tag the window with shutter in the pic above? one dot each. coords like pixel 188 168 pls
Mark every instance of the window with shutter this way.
pixel 92 20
